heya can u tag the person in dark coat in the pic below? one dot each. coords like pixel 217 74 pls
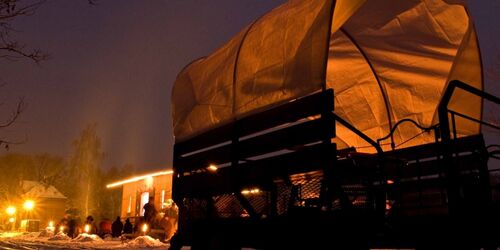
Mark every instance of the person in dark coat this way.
pixel 128 227
pixel 73 227
pixel 149 211
pixel 117 227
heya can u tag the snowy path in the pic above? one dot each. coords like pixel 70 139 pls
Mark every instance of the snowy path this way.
pixel 34 241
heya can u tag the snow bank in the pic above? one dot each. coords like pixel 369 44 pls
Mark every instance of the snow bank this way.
pixel 83 241
pixel 109 237
pixel 10 234
pixel 145 241
pixel 84 237
pixel 22 235
pixel 46 233
pixel 60 236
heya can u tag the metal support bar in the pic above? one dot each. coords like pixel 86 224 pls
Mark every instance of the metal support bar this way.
pixel 452 173
pixel 246 205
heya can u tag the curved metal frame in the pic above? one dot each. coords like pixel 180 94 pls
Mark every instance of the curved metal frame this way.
pixel 382 90
pixel 235 68
pixel 236 59
pixel 443 105
pixel 425 129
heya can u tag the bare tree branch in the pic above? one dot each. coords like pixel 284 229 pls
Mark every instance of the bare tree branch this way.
pixel 7 143
pixel 19 109
pixel 11 49
pixel 9 9
pixel 17 52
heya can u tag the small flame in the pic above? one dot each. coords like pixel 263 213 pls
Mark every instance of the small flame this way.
pixel 87 228
pixel 388 205
pixel 51 224
pixel 61 228
pixel 250 191
pixel 390 182
pixel 145 228
pixel 11 220
pixel 212 168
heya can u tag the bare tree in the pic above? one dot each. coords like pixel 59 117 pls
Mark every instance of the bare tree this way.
pixel 13 117
pixel 84 169
pixel 10 48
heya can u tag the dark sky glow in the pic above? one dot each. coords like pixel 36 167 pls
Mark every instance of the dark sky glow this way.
pixel 114 64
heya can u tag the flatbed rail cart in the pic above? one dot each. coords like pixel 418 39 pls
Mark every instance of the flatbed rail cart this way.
pixel 275 180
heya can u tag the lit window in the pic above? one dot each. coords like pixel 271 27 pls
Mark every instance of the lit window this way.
pixel 144 200
pixel 163 198
pixel 129 209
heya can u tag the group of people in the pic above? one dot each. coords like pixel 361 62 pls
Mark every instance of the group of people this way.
pixel 72 226
pixel 118 227
pixel 165 219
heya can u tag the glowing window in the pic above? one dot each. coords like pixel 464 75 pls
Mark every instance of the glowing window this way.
pixel 129 208
pixel 144 200
pixel 163 198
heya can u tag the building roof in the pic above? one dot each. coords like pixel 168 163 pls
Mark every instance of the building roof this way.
pixel 138 178
pixel 37 189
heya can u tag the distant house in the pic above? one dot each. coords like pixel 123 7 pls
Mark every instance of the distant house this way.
pixel 49 203
pixel 137 190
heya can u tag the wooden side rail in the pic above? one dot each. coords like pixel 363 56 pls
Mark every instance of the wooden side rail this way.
pixel 257 149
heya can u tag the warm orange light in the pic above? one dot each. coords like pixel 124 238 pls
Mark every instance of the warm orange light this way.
pixel 11 210
pixel 390 182
pixel 145 228
pixel 250 191
pixel 29 204
pixel 61 228
pixel 87 228
pixel 51 224
pixel 212 168
pixel 11 220
pixel 138 178
pixel 149 182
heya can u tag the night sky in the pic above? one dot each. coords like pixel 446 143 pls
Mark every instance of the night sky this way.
pixel 114 64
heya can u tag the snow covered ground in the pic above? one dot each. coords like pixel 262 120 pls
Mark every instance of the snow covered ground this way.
pixel 18 240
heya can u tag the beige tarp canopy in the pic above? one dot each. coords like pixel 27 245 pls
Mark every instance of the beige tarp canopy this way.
pixel 386 61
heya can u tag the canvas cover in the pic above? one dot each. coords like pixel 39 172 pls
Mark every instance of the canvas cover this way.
pixel 386 61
